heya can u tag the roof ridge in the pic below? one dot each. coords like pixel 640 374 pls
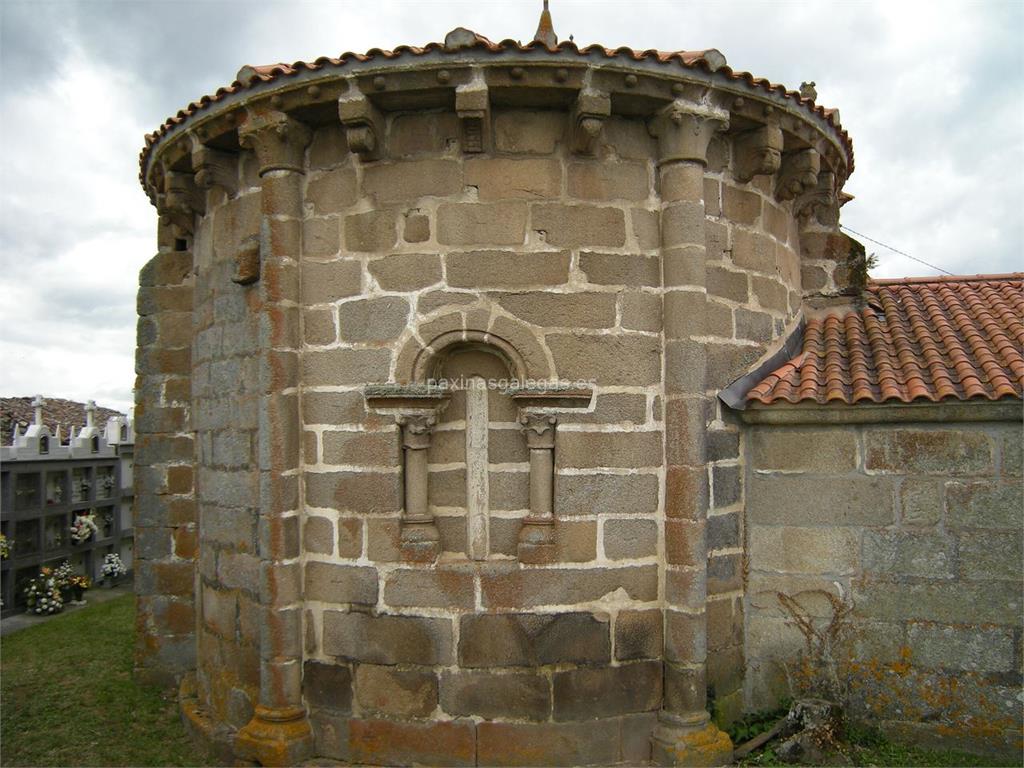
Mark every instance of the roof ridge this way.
pixel 945 279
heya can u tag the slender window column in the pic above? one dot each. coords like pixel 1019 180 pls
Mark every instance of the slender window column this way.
pixel 477 485
pixel 421 541
pixel 537 537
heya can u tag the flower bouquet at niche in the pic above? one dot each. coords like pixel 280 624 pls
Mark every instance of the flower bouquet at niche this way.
pixel 112 569
pixel 42 595
pixel 84 527
pixel 79 584
pixel 6 545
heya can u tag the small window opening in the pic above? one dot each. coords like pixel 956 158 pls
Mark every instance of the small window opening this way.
pixel 180 244
pixel 95 444
pixel 44 443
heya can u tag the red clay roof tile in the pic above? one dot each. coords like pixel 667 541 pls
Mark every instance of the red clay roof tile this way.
pixel 932 339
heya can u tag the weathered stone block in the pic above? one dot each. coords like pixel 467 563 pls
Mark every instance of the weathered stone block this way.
pixel 318 535
pixel 332 191
pixel 548 744
pixel 608 449
pixel 984 505
pixel 355 448
pixel 333 367
pixel 506 269
pixel 517 640
pixel 580 225
pixel 813 449
pixel 400 693
pixel 682 224
pixel 920 501
pixel 387 639
pixel 628 359
pixel 340 583
pixel 528 132
pixel 989 555
pixel 606 494
pixel 412 134
pixel 490 695
pixel 481 224
pixel 740 206
pixel 416 587
pixel 726 486
pixel 570 310
pixel 333 408
pixel 771 294
pixel 928 451
pixel 582 694
pixel 362 492
pixel 371 231
pixel 638 635
pixel 621 269
pixel 838 501
pixel 646 226
pixel 608 181
pixel 406 272
pixel 385 742
pixel 504 178
pixel 329 281
pixel 723 531
pixel 411 179
pixel 976 649
pixel 995 602
pixel 566 586
pixel 791 549
pixel 909 554
pixel 630 539
pixel 327 685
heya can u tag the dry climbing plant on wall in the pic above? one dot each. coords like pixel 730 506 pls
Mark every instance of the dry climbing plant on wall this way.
pixel 820 670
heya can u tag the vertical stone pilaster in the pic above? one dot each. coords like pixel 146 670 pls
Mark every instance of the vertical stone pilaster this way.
pixel 421 541
pixel 685 735
pixel 279 732
pixel 537 536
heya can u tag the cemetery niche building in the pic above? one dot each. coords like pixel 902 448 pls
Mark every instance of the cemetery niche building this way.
pixel 488 393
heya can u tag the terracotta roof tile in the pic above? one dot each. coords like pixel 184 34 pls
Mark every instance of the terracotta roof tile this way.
pixel 916 339
pixel 709 60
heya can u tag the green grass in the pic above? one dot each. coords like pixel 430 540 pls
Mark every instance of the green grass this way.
pixel 68 696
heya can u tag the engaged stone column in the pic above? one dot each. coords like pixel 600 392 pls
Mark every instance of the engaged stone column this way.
pixel 421 541
pixel 537 536
pixel 685 735
pixel 279 732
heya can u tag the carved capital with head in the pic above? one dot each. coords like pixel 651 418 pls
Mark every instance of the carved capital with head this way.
pixel 758 153
pixel 799 173
pixel 684 130
pixel 278 140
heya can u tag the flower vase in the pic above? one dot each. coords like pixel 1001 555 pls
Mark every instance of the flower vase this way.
pixel 79 594
pixel 111 581
pixel 66 594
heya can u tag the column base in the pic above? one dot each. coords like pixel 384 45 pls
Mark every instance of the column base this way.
pixel 420 540
pixel 276 737
pixel 537 541
pixel 677 741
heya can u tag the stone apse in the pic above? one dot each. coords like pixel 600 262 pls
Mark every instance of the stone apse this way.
pixel 431 467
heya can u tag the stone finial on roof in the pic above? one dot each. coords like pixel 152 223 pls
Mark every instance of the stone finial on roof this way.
pixel 545 29
pixel 90 411
pixel 808 91
pixel 37 404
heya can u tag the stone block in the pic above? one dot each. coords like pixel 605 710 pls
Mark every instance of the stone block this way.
pixel 974 649
pixel 608 449
pixel 615 408
pixel 235 571
pixel 575 541
pixel 431 302
pixel 727 284
pixel 220 612
pixel 791 549
pixel 623 359
pixel 416 228
pixel 412 179
pixel 920 501
pixel 569 310
pixel 334 408
pixel 321 237
pixel 526 132
pixel 506 269
pixel 318 535
pixel 990 555
pixel 389 691
pixel 548 744
pixel 740 206
pixel 835 501
pixel 755 326
pixel 324 282
pixel 382 536
pixel 682 224
pixel 371 231
pixel 909 554
pixel 419 588
pixel 573 226
pixel 798 449
pixel 332 191
pixel 417 133
pixel 350 537
pixel 327 686
pixel 949 602
pixel 526 640
pixel 334 367
pixel 406 272
pixel 771 294
pixel 630 539
pixel 384 639
pixel 712 198
pixel 726 488
pixel 481 224
pixel 491 695
pixel 727 362
pixel 638 635
pixel 606 494
pixel 333 583
pixel 938 451
pixel 360 448
pixel 684 314
pixel 582 694
pixel 646 226
pixel 386 742
pixel 498 178
pixel 447 488
pixel 723 531
pixel 633 270
pixel 567 586
pixel 602 181
pixel 319 327
pixel 813 277
pixel 984 505
pixel 725 623
pixel 328 147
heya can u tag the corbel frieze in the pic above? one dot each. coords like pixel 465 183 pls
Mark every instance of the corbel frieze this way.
pixel 363 124
pixel 684 130
pixel 214 168
pixel 592 108
pixel 278 140
pixel 247 262
pixel 179 202
pixel 820 203
pixel 473 106
pixel 758 152
pixel 799 173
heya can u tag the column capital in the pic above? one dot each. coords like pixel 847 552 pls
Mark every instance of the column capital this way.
pixel 416 427
pixel 539 429
pixel 684 130
pixel 279 141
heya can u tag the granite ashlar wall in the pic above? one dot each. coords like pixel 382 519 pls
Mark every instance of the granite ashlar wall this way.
pixel 918 526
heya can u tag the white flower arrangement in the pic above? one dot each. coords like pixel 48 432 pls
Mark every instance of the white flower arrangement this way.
pixel 6 545
pixel 84 527
pixel 112 567
pixel 42 594
pixel 62 574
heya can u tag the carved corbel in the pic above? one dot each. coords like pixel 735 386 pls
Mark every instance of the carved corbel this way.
pixel 214 168
pixel 247 262
pixel 819 203
pixel 799 173
pixel 758 153
pixel 592 108
pixel 179 203
pixel 473 105
pixel 363 124
pixel 278 140
pixel 684 130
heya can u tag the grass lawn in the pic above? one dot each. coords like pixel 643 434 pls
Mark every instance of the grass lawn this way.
pixel 68 697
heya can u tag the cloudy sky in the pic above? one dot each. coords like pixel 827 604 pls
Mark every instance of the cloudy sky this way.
pixel 931 93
